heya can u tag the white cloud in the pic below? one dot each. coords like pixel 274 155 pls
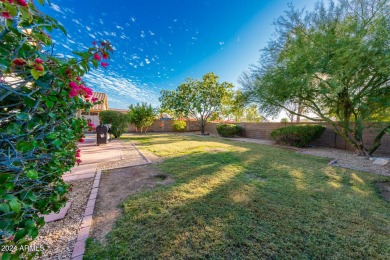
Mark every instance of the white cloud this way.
pixel 133 19
pixel 147 61
pixel 120 90
pixel 56 8
pixel 221 43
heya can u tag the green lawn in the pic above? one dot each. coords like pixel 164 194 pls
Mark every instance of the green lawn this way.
pixel 235 200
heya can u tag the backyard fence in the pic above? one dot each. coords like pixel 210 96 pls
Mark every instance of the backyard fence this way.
pixel 263 130
pixel 328 139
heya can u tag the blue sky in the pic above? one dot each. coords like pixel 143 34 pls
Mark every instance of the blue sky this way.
pixel 158 44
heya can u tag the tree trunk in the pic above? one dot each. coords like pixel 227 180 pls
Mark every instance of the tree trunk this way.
pixel 202 126
pixel 377 140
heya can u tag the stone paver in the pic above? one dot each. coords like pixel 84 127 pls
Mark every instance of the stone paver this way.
pixel 92 155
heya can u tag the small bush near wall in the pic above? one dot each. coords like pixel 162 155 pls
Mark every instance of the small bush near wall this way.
pixel 297 135
pixel 117 120
pixel 227 130
pixel 179 126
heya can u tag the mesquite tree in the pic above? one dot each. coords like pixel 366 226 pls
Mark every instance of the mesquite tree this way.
pixel 334 62
pixel 197 99
pixel 40 95
pixel 142 116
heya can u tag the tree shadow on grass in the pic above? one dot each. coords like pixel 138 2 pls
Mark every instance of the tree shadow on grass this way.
pixel 258 203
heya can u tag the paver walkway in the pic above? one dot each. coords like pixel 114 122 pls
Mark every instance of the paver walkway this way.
pixel 106 156
pixel 115 154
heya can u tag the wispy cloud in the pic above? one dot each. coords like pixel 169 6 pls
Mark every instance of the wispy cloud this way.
pixel 120 90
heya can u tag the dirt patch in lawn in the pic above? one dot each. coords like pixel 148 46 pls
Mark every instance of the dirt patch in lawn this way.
pixel 384 188
pixel 215 150
pixel 115 187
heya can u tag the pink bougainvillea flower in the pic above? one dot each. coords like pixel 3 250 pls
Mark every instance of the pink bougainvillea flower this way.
pixel 38 60
pixel 97 57
pixel 78 79
pixel 77 155
pixel 39 67
pixel 88 92
pixel 22 2
pixel 105 56
pixel 81 140
pixel 104 64
pixel 19 62
pixel 94 99
pixel 73 93
pixel 6 15
pixel 73 85
pixel 78 161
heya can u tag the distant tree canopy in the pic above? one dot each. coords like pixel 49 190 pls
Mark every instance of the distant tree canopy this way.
pixel 233 105
pixel 333 61
pixel 196 99
pixel 252 114
pixel 142 116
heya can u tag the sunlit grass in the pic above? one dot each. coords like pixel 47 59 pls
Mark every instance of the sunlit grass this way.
pixel 246 200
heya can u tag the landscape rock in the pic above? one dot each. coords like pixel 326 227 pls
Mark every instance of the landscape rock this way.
pixel 381 161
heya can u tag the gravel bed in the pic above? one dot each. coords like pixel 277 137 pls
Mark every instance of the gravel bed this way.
pixel 345 159
pixel 348 159
pixel 59 237
pixel 130 157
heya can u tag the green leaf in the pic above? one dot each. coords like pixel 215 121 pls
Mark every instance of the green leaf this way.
pixel 33 232
pixel 32 174
pixel 4 208
pixel 57 142
pixel 51 136
pixel 49 103
pixel 23 116
pixel 24 146
pixel 20 234
pixel 13 128
pixel 15 205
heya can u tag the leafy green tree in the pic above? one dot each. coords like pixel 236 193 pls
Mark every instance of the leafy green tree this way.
pixel 252 114
pixel 233 105
pixel 40 96
pixel 197 99
pixel 335 61
pixel 142 116
pixel 118 121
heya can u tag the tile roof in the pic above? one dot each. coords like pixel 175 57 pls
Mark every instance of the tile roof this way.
pixel 101 97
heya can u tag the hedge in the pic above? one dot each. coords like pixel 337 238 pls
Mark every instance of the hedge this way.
pixel 297 135
pixel 179 126
pixel 229 130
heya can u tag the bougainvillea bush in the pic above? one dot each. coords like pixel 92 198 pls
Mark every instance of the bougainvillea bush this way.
pixel 40 95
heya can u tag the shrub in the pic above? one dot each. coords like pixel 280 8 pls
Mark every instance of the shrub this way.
pixel 179 126
pixel 142 116
pixel 297 135
pixel 229 130
pixel 40 96
pixel 118 121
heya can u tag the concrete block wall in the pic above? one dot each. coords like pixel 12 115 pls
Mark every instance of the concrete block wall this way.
pixel 328 139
